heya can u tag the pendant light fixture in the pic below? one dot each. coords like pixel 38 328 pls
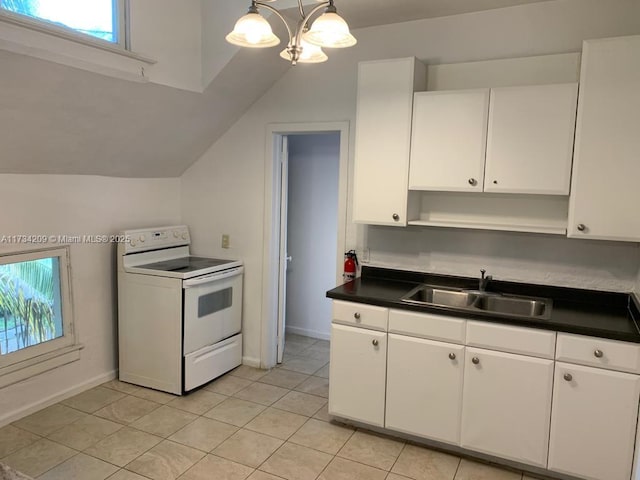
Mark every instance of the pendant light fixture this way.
pixel 305 43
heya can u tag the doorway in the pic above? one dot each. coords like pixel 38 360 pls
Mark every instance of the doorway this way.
pixel 305 225
pixel 311 232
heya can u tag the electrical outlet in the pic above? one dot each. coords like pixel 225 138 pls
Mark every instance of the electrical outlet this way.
pixel 225 240
pixel 366 255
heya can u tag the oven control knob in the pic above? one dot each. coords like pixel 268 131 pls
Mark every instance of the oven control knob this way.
pixel 176 234
pixel 133 242
pixel 142 239
pixel 184 236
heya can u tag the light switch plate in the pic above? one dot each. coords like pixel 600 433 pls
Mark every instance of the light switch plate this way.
pixel 225 240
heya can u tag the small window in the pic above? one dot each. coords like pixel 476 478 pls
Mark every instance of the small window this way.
pixel 35 305
pixel 103 19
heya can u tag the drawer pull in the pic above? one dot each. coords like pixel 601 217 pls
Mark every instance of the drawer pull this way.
pixel 568 377
pixel 375 342
pixel 395 217
pixel 356 315
pixel 598 353
pixel 475 360
pixel 452 356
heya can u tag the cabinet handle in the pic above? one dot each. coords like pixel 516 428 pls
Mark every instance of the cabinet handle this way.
pixel 473 182
pixel 598 353
pixel 452 356
pixel 356 315
pixel 568 377
pixel 375 342
pixel 475 360
pixel 396 217
pixel 582 227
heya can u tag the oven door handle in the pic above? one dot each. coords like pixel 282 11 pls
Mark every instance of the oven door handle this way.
pixel 213 277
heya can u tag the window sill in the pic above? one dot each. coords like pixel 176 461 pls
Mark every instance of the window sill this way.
pixel 32 38
pixel 35 366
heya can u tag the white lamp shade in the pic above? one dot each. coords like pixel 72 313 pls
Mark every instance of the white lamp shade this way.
pixel 310 54
pixel 331 31
pixel 253 31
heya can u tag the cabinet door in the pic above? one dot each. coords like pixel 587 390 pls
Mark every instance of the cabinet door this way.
pixel 383 135
pixel 530 139
pixel 448 140
pixel 358 374
pixel 506 405
pixel 593 425
pixel 424 387
pixel 604 191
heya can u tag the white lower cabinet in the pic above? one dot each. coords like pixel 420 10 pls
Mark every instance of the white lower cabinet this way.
pixel 424 387
pixel 358 374
pixel 494 389
pixel 593 425
pixel 506 405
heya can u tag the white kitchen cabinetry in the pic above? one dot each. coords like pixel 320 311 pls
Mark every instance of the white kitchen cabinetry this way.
pixel 530 139
pixel 383 137
pixel 604 191
pixel 449 139
pixel 358 374
pixel 424 387
pixel 593 425
pixel 506 405
pixel 595 407
pixel 503 140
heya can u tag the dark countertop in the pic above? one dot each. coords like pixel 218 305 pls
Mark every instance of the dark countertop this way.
pixel 611 315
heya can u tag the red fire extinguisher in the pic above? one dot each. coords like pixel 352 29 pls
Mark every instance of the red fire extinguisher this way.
pixel 350 265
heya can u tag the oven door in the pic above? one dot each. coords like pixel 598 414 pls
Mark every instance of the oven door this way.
pixel 212 308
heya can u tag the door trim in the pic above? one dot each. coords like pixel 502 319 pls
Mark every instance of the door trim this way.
pixel 272 193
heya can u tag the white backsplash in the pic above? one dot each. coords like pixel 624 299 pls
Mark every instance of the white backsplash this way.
pixel 519 257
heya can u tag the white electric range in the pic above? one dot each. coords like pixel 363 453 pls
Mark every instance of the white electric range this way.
pixel 179 316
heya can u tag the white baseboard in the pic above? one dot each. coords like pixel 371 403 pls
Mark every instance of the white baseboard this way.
pixel 8 417
pixel 251 362
pixel 308 333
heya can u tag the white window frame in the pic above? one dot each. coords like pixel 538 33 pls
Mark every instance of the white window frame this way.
pixel 120 13
pixel 24 363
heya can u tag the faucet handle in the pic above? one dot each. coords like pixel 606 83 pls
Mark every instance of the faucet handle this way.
pixel 483 271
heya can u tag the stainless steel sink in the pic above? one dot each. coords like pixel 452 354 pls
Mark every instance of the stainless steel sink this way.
pixel 526 307
pixel 480 301
pixel 439 296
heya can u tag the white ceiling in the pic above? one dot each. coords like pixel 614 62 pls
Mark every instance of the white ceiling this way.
pixel 61 120
pixel 367 13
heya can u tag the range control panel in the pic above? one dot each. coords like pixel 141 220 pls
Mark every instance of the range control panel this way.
pixel 155 238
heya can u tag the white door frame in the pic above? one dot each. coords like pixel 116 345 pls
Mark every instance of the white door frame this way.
pixel 271 250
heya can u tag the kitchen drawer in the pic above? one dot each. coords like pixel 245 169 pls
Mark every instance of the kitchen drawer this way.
pixel 598 352
pixel 525 341
pixel 212 361
pixel 360 315
pixel 427 325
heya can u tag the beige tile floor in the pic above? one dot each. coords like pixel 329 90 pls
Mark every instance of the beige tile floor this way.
pixel 249 424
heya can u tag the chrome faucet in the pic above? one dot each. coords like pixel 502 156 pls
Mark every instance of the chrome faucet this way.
pixel 484 280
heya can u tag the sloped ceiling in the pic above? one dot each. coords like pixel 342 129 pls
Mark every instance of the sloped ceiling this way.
pixel 59 120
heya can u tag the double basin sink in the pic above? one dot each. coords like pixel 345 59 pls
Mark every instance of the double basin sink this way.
pixel 480 301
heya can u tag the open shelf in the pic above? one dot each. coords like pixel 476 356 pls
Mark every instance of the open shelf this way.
pixel 486 211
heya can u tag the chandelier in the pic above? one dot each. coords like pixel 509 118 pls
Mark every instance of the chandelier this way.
pixel 305 43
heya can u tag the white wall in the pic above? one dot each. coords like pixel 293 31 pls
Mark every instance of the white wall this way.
pixel 233 168
pixel 544 259
pixel 312 232
pixel 77 205
pixel 171 33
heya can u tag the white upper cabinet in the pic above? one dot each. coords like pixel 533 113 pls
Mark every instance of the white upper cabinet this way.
pixel 383 138
pixel 449 140
pixel 530 139
pixel 499 140
pixel 604 193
